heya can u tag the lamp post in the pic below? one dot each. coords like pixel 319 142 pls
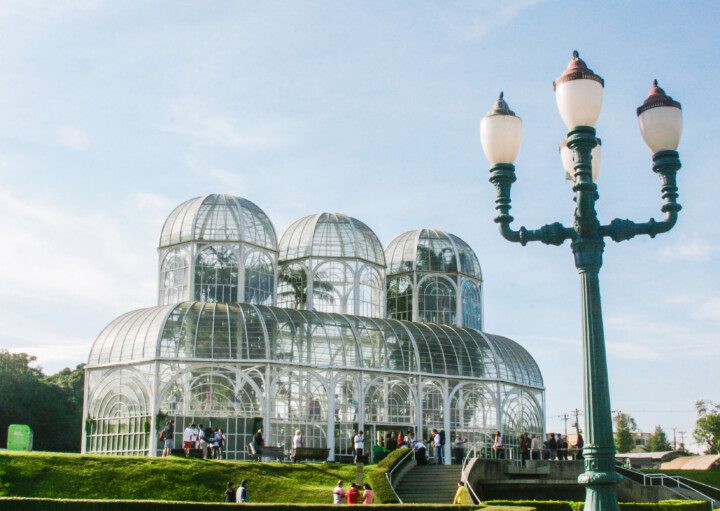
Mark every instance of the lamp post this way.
pixel 578 92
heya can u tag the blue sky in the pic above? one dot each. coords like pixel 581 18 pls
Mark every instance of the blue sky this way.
pixel 111 113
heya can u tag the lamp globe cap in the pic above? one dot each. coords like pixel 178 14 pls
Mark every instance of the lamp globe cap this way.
pixel 657 98
pixel 577 70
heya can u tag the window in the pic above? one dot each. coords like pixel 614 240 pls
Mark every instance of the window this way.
pixel 216 275
pixel 437 301
pixel 174 277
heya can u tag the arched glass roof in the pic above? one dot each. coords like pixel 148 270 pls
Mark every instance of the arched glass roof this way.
pixel 219 217
pixel 330 235
pixel 244 332
pixel 431 250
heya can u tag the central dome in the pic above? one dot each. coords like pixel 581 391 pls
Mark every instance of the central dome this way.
pixel 218 217
pixel 331 235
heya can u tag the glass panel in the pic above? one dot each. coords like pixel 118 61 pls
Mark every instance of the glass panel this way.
pixel 216 275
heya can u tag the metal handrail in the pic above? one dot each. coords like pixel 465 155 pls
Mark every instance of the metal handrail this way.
pixel 649 480
pixel 463 477
pixel 388 475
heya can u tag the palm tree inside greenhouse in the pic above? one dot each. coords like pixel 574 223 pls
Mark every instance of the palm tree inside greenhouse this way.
pixel 293 279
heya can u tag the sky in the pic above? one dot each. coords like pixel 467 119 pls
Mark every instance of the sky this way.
pixel 112 113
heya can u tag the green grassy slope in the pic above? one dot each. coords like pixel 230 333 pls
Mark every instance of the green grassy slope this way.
pixel 108 477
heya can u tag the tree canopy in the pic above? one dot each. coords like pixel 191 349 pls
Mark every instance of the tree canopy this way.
pixel 707 426
pixel 50 405
pixel 658 441
pixel 624 427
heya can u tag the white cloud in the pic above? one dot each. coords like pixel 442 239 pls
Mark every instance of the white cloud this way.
pixel 688 251
pixel 494 14
pixel 72 138
pixel 204 125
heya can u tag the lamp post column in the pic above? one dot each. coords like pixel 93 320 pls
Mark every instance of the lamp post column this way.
pixel 599 477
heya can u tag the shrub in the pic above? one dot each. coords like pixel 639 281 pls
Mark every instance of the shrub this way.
pixel 562 505
pixel 32 504
pixel 378 480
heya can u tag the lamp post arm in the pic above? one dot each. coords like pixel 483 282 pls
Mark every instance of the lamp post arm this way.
pixel 502 175
pixel 665 164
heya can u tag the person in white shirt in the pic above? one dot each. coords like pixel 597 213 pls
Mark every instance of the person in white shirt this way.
pixel 498 446
pixel 338 493
pixel 420 453
pixel 188 442
pixel 535 448
pixel 438 447
pixel 359 445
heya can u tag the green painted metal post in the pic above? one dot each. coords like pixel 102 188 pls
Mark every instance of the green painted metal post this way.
pixel 587 242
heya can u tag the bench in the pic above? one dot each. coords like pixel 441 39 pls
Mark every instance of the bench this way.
pixel 265 452
pixel 310 453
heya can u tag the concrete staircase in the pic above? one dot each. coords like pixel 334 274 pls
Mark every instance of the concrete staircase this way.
pixel 435 484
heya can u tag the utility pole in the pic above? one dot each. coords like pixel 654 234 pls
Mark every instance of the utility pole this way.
pixel 682 439
pixel 564 417
pixel 674 440
pixel 577 414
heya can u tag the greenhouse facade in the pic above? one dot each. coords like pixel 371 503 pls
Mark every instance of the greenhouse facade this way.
pixel 218 350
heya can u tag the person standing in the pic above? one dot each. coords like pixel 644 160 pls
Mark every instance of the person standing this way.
pixel 438 447
pixel 552 445
pixel 242 496
pixel 498 446
pixel 524 448
pixel 188 439
pixel 338 493
pixel 167 435
pixel 359 445
pixel 200 436
pixel 353 494
pixel 561 447
pixel 368 494
pixel 579 444
pixel 535 448
pixel 462 495
pixel 206 442
pixel 230 492
pixel 258 443
pixel 459 448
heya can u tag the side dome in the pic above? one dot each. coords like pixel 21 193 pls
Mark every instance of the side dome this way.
pixel 218 217
pixel 434 277
pixel 330 235
pixel 431 250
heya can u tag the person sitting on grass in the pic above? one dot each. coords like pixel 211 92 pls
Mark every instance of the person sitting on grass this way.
pixel 368 495
pixel 242 496
pixel 338 493
pixel 230 492
pixel 462 496
pixel 353 494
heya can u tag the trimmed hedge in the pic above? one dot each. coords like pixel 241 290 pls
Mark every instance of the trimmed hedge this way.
pixel 565 505
pixel 376 476
pixel 33 504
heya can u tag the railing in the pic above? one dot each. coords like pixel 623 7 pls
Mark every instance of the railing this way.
pixel 401 463
pixel 472 453
pixel 672 483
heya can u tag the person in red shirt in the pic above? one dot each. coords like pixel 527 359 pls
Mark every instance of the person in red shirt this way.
pixel 353 494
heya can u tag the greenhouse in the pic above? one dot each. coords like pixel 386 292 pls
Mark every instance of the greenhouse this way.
pixel 327 361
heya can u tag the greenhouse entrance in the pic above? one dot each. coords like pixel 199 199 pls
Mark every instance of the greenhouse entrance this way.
pixel 377 435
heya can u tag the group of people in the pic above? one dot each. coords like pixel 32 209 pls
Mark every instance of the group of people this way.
pixel 352 495
pixel 210 440
pixel 555 447
pixel 239 494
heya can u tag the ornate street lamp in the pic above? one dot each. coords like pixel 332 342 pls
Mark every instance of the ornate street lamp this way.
pixel 578 92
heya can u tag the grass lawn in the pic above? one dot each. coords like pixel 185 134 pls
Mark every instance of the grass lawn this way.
pixel 76 476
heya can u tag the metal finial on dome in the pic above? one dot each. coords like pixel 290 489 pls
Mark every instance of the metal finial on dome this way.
pixel 577 70
pixel 500 107
pixel 657 97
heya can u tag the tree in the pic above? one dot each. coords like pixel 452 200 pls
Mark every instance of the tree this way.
pixel 295 283
pixel 707 426
pixel 624 427
pixel 658 441
pixel 51 406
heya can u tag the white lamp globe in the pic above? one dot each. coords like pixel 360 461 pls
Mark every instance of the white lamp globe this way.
pixel 500 133
pixel 660 119
pixel 578 93
pixel 568 161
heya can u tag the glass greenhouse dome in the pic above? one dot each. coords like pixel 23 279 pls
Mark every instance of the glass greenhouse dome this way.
pixel 434 277
pixel 331 262
pixel 217 248
pixel 229 361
